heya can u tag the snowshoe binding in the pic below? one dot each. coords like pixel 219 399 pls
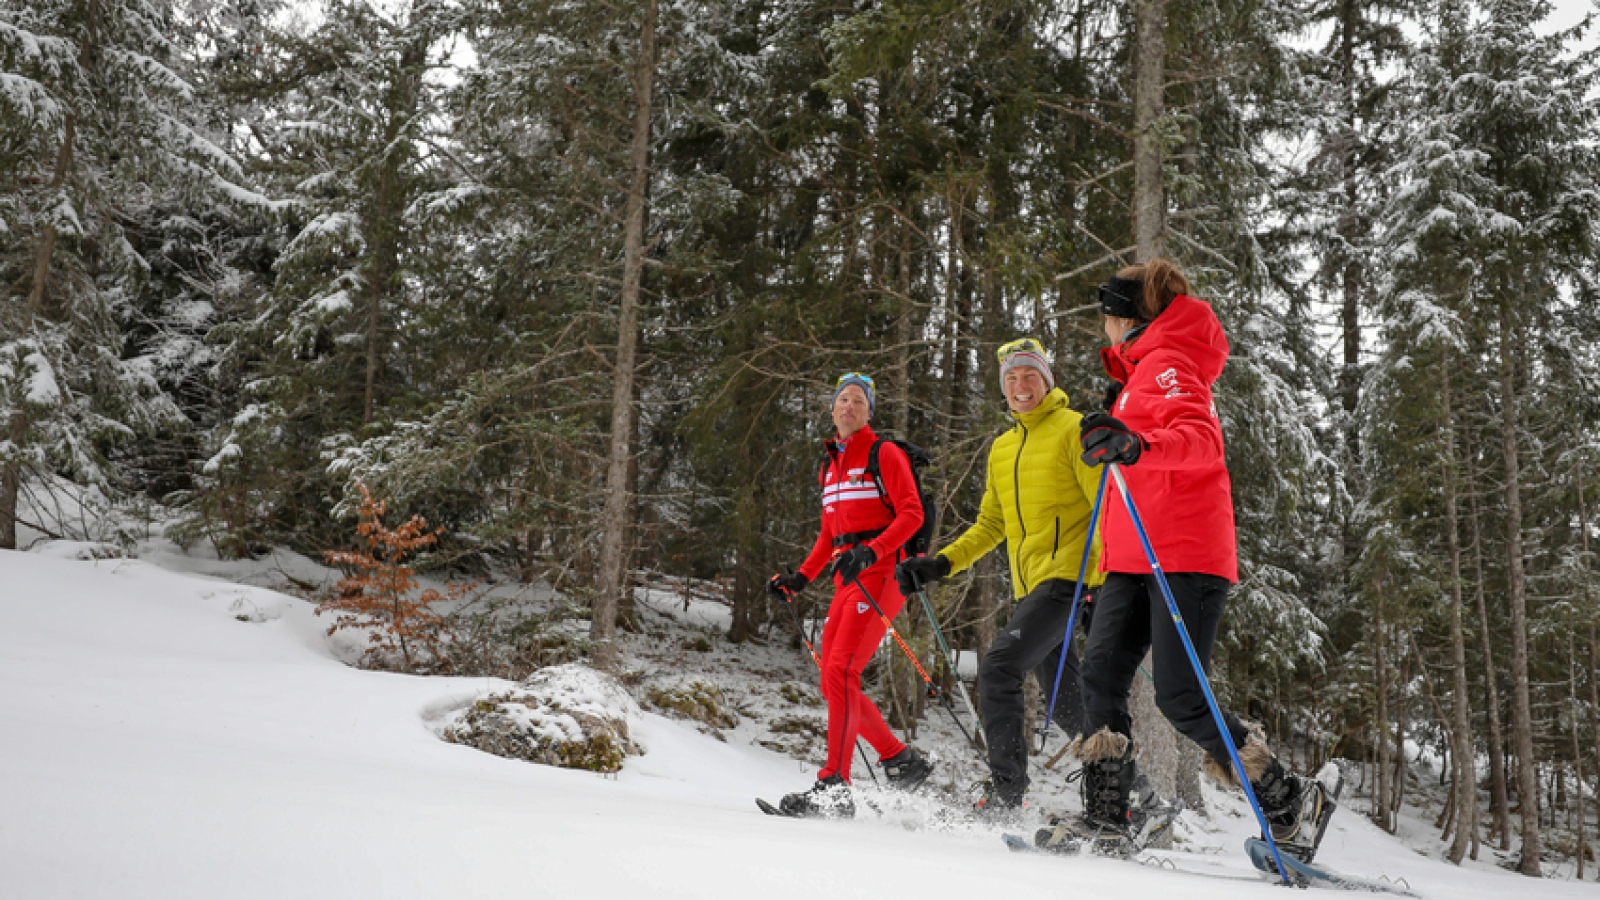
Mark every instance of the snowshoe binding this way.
pixel 1298 808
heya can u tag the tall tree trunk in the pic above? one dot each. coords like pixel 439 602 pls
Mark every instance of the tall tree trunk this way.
pixel 1466 785
pixel 902 331
pixel 38 293
pixel 1149 82
pixel 1380 793
pixel 1577 746
pixel 383 216
pixel 1173 764
pixel 613 548
pixel 1594 694
pixel 1594 698
pixel 1521 704
pixel 1397 800
pixel 1499 802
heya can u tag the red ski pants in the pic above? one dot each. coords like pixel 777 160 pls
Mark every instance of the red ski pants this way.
pixel 852 634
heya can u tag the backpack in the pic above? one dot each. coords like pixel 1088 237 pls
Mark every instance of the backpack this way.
pixel 920 542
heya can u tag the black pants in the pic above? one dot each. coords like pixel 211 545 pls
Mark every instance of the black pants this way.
pixel 1031 641
pixel 1130 618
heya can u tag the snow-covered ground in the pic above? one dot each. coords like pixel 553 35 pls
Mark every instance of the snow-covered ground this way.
pixel 173 733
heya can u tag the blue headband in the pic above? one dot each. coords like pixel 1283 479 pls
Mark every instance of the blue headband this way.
pixel 859 380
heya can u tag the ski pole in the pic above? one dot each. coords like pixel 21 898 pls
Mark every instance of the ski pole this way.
pixel 950 660
pixel 1199 670
pixel 1072 614
pixel 933 689
pixel 800 628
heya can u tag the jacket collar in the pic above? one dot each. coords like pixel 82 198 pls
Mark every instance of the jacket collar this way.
pixel 1055 399
pixel 864 437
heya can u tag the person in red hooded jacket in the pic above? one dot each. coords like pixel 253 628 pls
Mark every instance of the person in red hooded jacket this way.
pixel 864 526
pixel 1167 350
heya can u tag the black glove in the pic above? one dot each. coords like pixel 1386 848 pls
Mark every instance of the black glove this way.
pixel 1107 440
pixel 915 573
pixel 785 586
pixel 853 562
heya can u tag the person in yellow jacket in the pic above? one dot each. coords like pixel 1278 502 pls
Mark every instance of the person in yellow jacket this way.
pixel 1038 499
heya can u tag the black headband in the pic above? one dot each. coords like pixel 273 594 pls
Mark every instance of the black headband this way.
pixel 1120 297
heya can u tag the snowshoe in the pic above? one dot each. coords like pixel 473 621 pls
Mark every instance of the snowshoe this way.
pixel 1297 808
pixel 829 798
pixel 1079 834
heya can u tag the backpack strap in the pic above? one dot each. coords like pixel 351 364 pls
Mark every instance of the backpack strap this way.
pixel 877 473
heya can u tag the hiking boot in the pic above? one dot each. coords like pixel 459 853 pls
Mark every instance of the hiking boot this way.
pixel 1105 782
pixel 829 798
pixel 906 770
pixel 1296 809
pixel 1106 779
pixel 997 806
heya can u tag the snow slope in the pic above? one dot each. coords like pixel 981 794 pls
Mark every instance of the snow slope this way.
pixel 172 735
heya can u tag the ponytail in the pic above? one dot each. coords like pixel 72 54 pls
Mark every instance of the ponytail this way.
pixel 1162 282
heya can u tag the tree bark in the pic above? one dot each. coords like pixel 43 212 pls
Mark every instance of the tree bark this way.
pixel 1398 793
pixel 1594 698
pixel 613 550
pixel 1500 804
pixel 1380 793
pixel 1466 785
pixel 1577 746
pixel 38 294
pixel 383 216
pixel 902 331
pixel 1521 704
pixel 1149 81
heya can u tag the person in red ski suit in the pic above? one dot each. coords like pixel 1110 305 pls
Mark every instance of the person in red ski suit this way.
pixel 1167 350
pixel 864 526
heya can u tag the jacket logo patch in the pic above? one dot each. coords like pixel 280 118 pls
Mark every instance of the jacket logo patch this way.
pixel 861 607
pixel 1168 379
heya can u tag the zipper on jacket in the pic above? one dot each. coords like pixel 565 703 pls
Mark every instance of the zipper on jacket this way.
pixel 1057 546
pixel 1016 488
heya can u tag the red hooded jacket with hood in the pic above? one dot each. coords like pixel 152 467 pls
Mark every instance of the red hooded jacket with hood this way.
pixel 1180 483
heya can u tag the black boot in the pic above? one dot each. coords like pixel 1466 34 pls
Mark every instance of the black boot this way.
pixel 829 798
pixel 997 805
pixel 1105 787
pixel 907 770
pixel 1105 782
pixel 1295 808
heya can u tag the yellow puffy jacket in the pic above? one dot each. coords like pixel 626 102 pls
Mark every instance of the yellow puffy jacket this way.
pixel 1038 499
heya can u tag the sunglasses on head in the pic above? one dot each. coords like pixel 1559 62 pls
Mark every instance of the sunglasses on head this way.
pixel 1021 345
pixel 854 376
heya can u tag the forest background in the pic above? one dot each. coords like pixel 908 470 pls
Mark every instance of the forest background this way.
pixel 573 280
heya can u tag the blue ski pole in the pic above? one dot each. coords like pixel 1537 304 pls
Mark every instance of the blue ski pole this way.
pixel 1072 614
pixel 1199 670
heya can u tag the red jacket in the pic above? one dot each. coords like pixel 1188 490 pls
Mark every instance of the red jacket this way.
pixel 1180 483
pixel 852 503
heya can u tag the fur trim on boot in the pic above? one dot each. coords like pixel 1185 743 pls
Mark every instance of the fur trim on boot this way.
pixel 1220 773
pixel 1103 744
pixel 1254 754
